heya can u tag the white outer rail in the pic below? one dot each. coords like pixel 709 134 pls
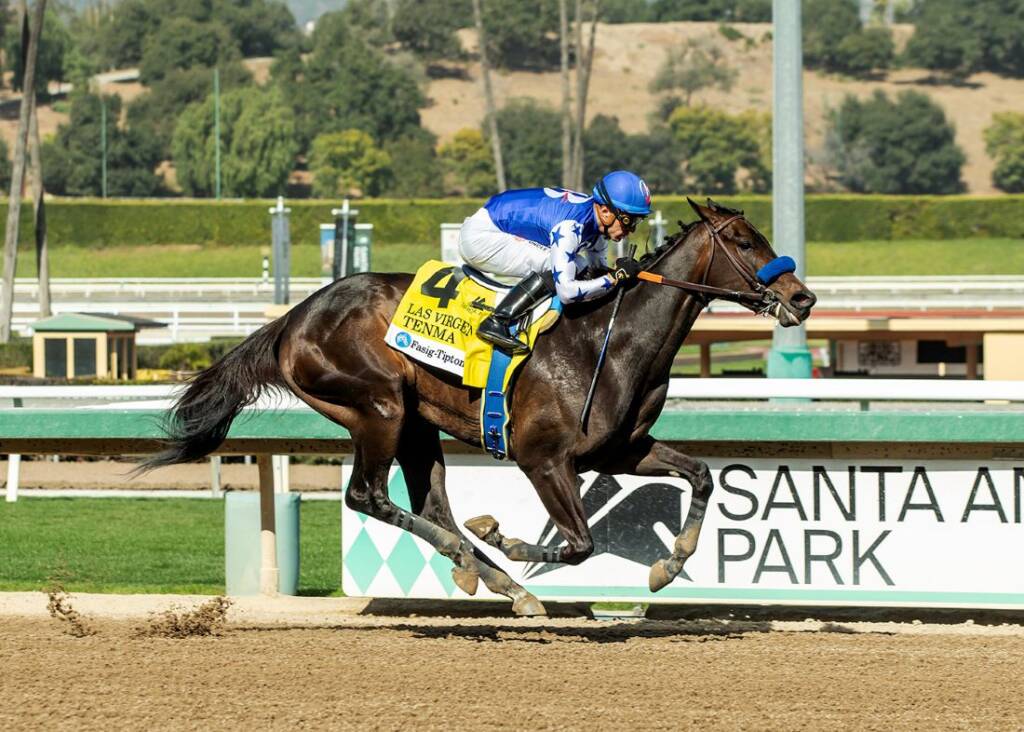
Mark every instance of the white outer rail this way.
pixel 936 390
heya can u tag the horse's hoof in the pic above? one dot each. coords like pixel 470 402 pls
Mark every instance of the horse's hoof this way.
pixel 482 526
pixel 466 580
pixel 659 576
pixel 528 606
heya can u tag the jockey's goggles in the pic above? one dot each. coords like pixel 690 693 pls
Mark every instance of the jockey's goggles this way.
pixel 629 221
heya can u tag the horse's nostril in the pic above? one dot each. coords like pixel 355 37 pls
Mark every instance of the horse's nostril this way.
pixel 803 300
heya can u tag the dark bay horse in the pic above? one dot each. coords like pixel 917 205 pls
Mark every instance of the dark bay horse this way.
pixel 329 351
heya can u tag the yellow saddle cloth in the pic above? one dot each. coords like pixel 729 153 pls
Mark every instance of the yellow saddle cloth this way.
pixel 437 319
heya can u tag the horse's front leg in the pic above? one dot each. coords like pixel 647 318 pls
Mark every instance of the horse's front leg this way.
pixel 651 457
pixel 555 483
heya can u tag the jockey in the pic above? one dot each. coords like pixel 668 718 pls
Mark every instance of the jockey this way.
pixel 550 237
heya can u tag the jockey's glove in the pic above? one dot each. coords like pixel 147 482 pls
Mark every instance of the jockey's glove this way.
pixel 626 268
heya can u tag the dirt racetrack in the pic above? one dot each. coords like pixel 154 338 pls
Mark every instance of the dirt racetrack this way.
pixel 341 668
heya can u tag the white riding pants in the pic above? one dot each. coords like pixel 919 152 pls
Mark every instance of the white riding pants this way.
pixel 486 247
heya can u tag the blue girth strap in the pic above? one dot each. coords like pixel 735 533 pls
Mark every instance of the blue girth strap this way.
pixel 494 416
pixel 494 413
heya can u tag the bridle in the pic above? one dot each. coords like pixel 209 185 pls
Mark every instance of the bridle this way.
pixel 758 298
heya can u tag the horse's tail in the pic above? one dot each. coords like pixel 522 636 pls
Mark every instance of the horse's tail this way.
pixel 201 416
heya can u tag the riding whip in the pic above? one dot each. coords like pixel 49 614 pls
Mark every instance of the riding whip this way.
pixel 604 350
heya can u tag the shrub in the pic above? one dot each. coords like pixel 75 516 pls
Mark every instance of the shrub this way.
pixel 186 357
pixel 902 146
pixel 1004 141
pixel 960 38
pixel 716 146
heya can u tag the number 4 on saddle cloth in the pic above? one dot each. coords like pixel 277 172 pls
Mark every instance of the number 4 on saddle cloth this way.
pixel 436 324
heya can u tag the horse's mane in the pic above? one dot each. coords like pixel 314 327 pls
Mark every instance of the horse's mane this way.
pixel 668 243
pixel 671 240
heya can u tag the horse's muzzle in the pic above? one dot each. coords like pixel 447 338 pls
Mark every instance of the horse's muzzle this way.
pixel 796 308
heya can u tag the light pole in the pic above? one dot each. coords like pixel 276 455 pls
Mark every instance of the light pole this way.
pixel 789 356
pixel 103 145
pixel 216 131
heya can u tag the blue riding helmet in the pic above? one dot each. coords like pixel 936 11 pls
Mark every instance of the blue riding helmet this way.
pixel 625 192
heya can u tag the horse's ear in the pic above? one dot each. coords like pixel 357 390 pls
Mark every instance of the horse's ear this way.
pixel 697 208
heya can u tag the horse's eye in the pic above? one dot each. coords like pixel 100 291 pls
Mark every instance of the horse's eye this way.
pixel 744 244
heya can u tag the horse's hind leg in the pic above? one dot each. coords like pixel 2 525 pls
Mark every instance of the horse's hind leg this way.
pixel 651 457
pixel 376 441
pixel 367 493
pixel 422 461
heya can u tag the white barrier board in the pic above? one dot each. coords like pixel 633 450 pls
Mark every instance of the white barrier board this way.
pixel 815 532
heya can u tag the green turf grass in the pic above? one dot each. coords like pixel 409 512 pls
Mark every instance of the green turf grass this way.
pixel 195 261
pixel 136 545
pixel 947 257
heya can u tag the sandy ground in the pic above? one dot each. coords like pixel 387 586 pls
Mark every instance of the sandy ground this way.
pixel 335 663
pixel 101 474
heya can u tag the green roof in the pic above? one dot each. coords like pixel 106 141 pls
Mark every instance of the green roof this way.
pixel 83 323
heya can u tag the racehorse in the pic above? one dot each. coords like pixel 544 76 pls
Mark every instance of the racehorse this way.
pixel 329 350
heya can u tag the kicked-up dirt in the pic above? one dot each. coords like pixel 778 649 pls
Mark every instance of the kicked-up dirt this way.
pixel 344 669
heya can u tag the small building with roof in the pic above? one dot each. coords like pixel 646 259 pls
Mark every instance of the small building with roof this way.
pixel 87 345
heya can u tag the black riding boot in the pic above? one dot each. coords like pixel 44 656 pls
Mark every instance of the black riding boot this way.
pixel 520 299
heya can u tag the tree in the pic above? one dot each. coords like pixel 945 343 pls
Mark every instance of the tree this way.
pixel 5 165
pixel 371 18
pixel 1004 142
pixel 260 27
pixel 866 51
pixel 960 38
pixel 825 24
pixel 522 34
pixel 491 118
pixel 156 112
pixel 348 163
pixel 31 25
pixel 427 27
pixel 625 11
pixel 716 147
pixel 468 164
pixel 904 146
pixel 748 11
pixel 415 171
pixel 834 39
pixel 654 155
pixel 131 23
pixel 258 145
pixel 698 64
pixel 73 159
pixel 54 46
pixel 533 155
pixel 344 84
pixel 182 44
pixel 255 27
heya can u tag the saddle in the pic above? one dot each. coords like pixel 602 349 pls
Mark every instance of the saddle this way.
pixel 435 324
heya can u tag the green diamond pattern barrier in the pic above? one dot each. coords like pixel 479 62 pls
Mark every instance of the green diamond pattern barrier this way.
pixel 406 562
pixel 442 567
pixel 364 561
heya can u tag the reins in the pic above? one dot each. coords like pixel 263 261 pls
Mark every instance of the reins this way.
pixel 758 295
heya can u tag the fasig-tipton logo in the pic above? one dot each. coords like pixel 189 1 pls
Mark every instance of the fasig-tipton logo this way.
pixel 403 340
